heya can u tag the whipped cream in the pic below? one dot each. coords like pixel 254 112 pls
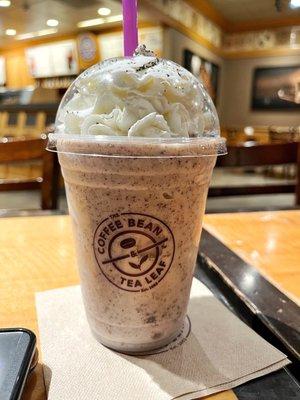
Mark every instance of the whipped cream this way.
pixel 139 96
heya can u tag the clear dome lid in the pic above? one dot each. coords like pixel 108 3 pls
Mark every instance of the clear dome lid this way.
pixel 136 99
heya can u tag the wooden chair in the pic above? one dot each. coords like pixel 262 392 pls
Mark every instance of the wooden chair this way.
pixel 2 121
pixel 16 124
pixel 32 149
pixel 13 123
pixel 260 155
pixel 34 124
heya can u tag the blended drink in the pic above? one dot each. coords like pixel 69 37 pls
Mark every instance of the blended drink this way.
pixel 137 140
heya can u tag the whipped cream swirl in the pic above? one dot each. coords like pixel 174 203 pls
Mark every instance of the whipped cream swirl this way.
pixel 140 96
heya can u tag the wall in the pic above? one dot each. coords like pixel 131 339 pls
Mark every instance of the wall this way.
pixel 235 79
pixel 236 91
pixel 174 45
pixel 235 83
pixel 17 73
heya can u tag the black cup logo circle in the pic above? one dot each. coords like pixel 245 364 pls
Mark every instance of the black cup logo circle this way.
pixel 134 251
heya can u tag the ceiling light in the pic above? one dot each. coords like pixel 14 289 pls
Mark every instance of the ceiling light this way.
pixel 99 21
pixel 5 3
pixel 24 36
pixel 104 11
pixel 90 22
pixel 10 32
pixel 52 22
pixel 295 3
pixel 42 32
pixel 114 18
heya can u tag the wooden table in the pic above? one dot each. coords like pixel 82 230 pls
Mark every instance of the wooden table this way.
pixel 269 241
pixel 251 262
pixel 37 254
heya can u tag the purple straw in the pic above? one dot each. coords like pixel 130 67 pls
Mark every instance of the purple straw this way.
pixel 130 32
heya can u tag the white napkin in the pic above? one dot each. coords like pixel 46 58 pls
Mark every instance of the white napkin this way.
pixel 220 353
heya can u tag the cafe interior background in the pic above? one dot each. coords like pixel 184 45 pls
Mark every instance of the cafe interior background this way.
pixel 247 54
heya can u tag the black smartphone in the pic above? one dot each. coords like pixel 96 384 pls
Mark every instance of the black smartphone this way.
pixel 17 358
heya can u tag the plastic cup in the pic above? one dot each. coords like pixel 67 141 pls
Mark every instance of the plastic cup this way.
pixel 136 203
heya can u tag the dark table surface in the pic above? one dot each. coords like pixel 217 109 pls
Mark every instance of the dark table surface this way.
pixel 224 272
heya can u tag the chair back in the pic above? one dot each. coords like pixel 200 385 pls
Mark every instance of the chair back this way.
pixel 249 155
pixel 27 150
pixel 257 155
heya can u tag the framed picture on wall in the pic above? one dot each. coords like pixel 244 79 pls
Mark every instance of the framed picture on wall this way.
pixel 55 59
pixel 205 70
pixel 276 88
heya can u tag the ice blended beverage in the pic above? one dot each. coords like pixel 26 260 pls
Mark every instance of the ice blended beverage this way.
pixel 137 140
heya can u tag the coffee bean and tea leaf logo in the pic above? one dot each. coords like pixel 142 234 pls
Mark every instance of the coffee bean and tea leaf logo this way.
pixel 129 243
pixel 134 251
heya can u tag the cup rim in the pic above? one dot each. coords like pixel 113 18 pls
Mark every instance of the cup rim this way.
pixel 204 146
